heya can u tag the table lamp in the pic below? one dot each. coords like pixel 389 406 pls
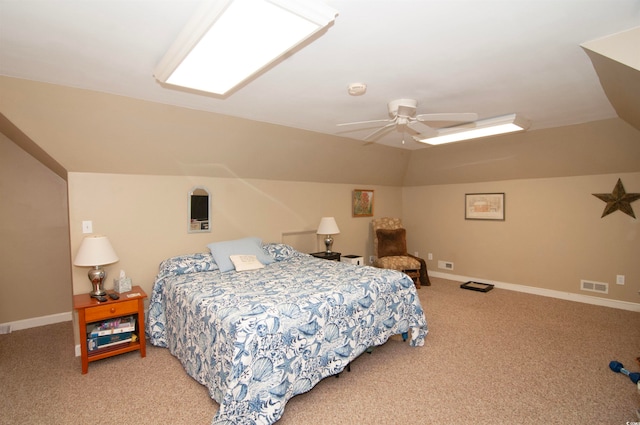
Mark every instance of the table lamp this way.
pixel 328 227
pixel 96 251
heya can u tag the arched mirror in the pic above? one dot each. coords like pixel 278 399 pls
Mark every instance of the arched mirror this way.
pixel 199 210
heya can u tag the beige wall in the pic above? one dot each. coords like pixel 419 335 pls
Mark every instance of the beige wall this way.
pixel 34 236
pixel 145 217
pixel 597 147
pixel 553 235
pixel 266 180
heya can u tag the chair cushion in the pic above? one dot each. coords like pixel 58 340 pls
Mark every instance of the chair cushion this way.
pixel 391 242
pixel 397 262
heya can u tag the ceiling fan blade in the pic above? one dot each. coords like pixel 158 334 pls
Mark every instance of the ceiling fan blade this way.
pixel 424 130
pixel 420 127
pixel 408 129
pixel 458 117
pixel 380 131
pixel 362 122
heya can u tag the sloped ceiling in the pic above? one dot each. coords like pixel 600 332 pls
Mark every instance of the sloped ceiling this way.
pixel 616 60
pixel 87 131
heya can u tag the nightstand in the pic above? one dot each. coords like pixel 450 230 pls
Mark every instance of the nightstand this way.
pixel 356 260
pixel 335 256
pixel 91 311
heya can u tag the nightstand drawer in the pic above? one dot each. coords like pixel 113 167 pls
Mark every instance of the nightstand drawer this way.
pixel 107 311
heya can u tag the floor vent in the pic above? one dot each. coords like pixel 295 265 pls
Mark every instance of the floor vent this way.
pixel 600 287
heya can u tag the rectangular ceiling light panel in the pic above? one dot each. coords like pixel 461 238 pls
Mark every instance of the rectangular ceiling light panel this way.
pixel 482 128
pixel 228 41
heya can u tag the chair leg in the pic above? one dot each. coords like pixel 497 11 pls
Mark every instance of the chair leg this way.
pixel 415 276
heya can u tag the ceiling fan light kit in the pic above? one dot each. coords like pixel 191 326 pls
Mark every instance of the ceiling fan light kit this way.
pixel 402 107
pixel 477 129
pixel 228 41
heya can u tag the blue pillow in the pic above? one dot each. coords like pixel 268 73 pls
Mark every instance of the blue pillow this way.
pixel 247 246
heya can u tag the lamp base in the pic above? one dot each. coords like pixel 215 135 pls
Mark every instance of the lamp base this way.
pixel 97 276
pixel 328 243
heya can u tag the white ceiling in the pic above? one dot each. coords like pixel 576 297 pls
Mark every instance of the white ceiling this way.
pixel 491 57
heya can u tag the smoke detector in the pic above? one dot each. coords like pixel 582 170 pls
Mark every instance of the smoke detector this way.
pixel 357 89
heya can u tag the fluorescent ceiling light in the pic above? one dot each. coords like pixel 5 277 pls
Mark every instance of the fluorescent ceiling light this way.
pixel 482 128
pixel 227 41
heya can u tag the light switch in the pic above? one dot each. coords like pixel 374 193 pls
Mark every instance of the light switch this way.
pixel 87 226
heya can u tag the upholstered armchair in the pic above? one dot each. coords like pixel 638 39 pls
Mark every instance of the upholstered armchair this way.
pixel 390 250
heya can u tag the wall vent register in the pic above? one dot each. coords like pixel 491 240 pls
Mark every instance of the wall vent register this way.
pixel 600 287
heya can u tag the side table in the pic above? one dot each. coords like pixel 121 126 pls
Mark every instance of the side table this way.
pixel 356 260
pixel 90 310
pixel 335 256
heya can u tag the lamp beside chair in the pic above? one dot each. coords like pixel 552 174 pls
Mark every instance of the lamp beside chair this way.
pixel 328 227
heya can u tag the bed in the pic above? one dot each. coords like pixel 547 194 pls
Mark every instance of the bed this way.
pixel 256 338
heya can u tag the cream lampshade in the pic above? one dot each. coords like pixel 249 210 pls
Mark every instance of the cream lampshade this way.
pixel 328 227
pixel 96 251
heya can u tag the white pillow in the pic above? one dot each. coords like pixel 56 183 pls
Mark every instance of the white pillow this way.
pixel 245 262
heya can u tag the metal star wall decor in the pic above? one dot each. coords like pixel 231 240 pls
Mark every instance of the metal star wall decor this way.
pixel 618 200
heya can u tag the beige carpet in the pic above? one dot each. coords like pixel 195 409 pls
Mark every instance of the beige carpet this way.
pixel 496 358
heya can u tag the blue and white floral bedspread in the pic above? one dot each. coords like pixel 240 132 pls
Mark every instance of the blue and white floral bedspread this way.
pixel 257 338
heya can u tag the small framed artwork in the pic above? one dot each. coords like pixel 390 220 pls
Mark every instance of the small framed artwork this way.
pixel 484 206
pixel 362 201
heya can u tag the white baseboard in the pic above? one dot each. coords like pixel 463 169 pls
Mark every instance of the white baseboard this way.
pixel 38 321
pixel 587 299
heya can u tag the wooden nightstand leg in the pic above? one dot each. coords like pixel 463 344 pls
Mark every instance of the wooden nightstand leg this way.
pixel 141 334
pixel 84 356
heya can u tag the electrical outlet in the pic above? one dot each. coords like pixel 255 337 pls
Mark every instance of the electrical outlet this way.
pixel 371 258
pixel 87 226
pixel 416 253
pixel 620 279
pixel 429 256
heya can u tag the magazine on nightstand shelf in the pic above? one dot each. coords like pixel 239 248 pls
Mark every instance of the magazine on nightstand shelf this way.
pixel 98 342
pixel 112 326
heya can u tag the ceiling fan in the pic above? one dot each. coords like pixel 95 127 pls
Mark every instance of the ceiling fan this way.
pixel 403 116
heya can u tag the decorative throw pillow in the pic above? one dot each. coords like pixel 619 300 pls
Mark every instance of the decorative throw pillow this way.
pixel 245 262
pixel 188 263
pixel 280 251
pixel 391 242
